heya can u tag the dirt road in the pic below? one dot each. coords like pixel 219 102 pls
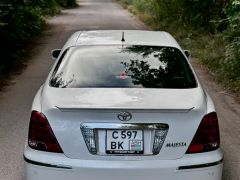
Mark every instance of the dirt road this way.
pixel 16 99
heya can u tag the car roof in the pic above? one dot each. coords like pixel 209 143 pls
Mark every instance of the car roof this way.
pixel 114 37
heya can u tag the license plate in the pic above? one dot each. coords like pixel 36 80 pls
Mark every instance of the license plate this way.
pixel 124 142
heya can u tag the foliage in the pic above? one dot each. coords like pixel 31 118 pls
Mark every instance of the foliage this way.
pixel 209 28
pixel 67 3
pixel 19 21
pixel 127 2
pixel 143 5
pixel 194 13
pixel 231 62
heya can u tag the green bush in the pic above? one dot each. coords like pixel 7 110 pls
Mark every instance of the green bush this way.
pixel 19 21
pixel 127 2
pixel 231 62
pixel 49 7
pixel 67 3
pixel 142 5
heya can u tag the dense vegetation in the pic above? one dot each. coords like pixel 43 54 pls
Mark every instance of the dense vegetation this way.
pixel 20 20
pixel 210 29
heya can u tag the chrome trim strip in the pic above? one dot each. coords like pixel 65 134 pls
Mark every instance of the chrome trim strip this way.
pixel 46 164
pixel 117 110
pixel 124 126
pixel 200 165
pixel 110 126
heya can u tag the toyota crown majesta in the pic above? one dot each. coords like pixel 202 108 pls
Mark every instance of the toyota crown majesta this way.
pixel 122 105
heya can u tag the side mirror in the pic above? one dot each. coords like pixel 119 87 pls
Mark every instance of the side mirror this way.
pixel 55 53
pixel 187 53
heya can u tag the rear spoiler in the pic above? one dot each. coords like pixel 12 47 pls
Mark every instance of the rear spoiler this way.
pixel 110 109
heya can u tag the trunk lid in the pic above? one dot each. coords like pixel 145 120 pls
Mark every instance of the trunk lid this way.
pixel 181 110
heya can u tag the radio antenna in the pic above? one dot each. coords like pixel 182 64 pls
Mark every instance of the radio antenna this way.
pixel 123 38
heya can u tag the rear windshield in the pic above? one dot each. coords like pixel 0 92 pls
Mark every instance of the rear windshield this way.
pixel 123 67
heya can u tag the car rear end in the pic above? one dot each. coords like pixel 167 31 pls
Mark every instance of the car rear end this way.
pixel 125 112
pixel 169 148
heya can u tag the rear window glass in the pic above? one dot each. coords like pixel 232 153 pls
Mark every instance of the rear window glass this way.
pixel 123 67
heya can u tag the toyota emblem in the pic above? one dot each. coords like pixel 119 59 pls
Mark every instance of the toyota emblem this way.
pixel 124 116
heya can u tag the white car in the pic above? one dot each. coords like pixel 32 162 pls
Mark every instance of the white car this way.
pixel 122 105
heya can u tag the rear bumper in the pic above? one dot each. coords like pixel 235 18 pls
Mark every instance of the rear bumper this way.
pixel 187 168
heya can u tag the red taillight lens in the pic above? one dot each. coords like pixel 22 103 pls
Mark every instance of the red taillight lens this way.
pixel 40 135
pixel 207 136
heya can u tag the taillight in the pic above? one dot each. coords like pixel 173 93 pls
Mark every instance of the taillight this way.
pixel 40 135
pixel 207 136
